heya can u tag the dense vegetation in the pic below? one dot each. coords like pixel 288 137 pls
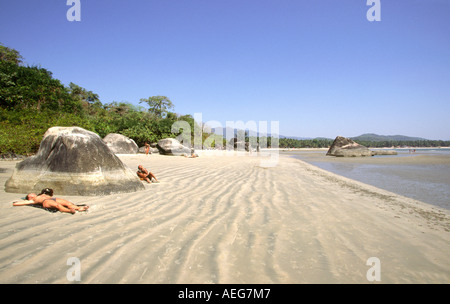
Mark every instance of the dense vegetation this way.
pixel 325 143
pixel 32 101
pixel 394 138
pixel 399 144
pixel 305 143
pixel 380 141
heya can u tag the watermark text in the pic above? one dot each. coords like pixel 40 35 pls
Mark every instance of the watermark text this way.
pixel 74 272
pixel 374 272
pixel 74 12
pixel 374 12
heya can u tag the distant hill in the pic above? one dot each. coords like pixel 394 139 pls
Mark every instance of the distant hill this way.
pixel 295 137
pixel 376 137
pixel 229 133
pixel 364 137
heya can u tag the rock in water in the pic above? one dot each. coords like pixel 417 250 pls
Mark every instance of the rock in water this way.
pixel 73 161
pixel 171 146
pixel 346 147
pixel 120 144
pixel 384 152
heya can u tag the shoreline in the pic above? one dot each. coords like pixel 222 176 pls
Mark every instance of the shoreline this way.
pixel 423 175
pixel 219 219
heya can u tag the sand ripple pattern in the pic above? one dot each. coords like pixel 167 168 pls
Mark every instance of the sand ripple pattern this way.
pixel 228 220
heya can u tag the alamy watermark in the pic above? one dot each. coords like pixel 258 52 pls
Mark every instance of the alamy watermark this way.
pixel 236 137
pixel 74 272
pixel 374 12
pixel 74 12
pixel 374 272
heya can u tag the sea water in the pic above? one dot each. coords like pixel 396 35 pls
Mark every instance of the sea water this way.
pixel 426 182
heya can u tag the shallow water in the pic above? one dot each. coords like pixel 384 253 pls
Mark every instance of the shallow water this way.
pixel 422 175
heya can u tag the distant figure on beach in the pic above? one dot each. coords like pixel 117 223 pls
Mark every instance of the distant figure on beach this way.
pixel 147 148
pixel 144 174
pixel 193 155
pixel 49 202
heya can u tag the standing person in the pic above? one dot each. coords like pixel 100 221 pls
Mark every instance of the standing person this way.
pixel 144 174
pixel 147 148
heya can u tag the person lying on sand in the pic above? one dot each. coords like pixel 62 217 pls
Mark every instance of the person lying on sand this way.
pixel 49 202
pixel 145 175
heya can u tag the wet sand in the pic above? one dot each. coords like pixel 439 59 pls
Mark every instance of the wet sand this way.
pixel 403 158
pixel 228 219
pixel 424 175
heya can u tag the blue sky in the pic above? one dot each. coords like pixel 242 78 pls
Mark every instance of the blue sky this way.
pixel 319 67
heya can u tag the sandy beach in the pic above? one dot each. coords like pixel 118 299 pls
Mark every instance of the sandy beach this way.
pixel 228 219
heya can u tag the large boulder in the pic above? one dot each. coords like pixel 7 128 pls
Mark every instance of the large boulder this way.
pixel 120 144
pixel 73 161
pixel 345 147
pixel 171 146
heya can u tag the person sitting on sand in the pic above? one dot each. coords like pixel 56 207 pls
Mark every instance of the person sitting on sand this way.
pixel 50 202
pixel 145 175
pixel 193 155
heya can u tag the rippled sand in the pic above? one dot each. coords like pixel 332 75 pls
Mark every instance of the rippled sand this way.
pixel 228 219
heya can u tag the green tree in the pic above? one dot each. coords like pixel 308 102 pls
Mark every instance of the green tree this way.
pixel 10 55
pixel 87 99
pixel 158 105
pixel 80 93
pixel 33 88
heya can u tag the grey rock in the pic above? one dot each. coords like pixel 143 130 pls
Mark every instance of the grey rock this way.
pixel 120 144
pixel 171 146
pixel 384 152
pixel 73 161
pixel 345 147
